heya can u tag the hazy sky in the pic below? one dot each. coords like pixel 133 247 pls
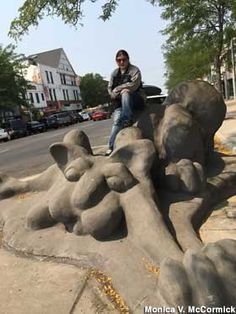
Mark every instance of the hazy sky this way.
pixel 134 27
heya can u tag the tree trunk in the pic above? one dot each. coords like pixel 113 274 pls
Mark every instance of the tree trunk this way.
pixel 217 65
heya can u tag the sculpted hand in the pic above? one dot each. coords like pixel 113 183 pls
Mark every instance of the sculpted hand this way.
pixel 205 277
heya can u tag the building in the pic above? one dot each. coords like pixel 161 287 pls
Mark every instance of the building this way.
pixel 53 82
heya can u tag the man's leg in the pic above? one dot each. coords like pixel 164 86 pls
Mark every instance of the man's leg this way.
pixel 130 101
pixel 127 104
pixel 116 127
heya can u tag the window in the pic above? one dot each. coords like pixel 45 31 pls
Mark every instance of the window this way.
pixel 50 93
pixel 42 96
pixel 63 79
pixel 64 94
pixel 31 98
pixel 48 80
pixel 67 94
pixel 76 94
pixel 37 98
pixel 54 93
pixel 51 78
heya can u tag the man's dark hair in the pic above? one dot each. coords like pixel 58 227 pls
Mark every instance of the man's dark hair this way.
pixel 122 53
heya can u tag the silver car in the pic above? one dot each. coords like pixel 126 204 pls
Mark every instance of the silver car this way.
pixel 4 135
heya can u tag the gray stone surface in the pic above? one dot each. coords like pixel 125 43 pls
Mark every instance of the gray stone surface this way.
pixel 183 128
pixel 32 287
pixel 112 213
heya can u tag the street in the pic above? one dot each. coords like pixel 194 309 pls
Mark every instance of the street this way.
pixel 30 155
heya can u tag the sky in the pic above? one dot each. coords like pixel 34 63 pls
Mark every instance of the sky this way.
pixel 135 27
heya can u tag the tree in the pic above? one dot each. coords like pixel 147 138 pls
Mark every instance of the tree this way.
pixel 12 83
pixel 186 62
pixel 209 23
pixel 93 90
pixel 70 11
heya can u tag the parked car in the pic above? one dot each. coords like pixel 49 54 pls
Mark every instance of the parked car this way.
pixel 85 115
pixel 75 117
pixel 36 127
pixel 154 95
pixel 63 118
pixel 50 122
pixel 100 115
pixel 16 128
pixel 4 135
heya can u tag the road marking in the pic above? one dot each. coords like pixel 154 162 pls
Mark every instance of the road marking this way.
pixel 4 150
pixel 99 146
pixel 86 125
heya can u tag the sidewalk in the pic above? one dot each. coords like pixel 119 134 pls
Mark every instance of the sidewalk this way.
pixel 222 222
pixel 33 286
pixel 227 132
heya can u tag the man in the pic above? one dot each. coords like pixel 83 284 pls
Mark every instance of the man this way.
pixel 127 94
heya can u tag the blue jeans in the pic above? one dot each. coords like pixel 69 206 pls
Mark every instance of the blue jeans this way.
pixel 124 114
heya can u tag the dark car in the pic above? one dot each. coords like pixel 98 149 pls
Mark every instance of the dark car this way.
pixel 63 118
pixel 154 95
pixel 100 115
pixel 50 122
pixel 75 117
pixel 17 128
pixel 36 127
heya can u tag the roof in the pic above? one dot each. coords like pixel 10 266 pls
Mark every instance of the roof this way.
pixel 50 58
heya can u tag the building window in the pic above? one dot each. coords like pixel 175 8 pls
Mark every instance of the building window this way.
pixel 31 98
pixel 37 98
pixel 76 94
pixel 67 94
pixel 48 80
pixel 64 94
pixel 63 79
pixel 51 78
pixel 54 93
pixel 50 93
pixel 42 96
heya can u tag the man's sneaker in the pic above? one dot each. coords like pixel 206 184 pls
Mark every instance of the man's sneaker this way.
pixel 108 152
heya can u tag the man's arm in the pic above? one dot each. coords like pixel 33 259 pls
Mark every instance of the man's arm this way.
pixel 112 93
pixel 131 86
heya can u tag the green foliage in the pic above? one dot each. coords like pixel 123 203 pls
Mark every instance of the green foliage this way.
pixel 209 24
pixel 186 62
pixel 12 83
pixel 70 11
pixel 93 90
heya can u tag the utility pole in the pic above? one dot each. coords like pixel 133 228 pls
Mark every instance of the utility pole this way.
pixel 233 66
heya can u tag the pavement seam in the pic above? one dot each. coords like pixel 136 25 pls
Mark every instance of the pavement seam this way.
pixel 80 292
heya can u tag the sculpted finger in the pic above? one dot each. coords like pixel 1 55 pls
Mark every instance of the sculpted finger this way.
pixel 204 279
pixel 173 284
pixel 224 261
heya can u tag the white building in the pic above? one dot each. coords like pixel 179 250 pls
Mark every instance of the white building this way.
pixel 53 82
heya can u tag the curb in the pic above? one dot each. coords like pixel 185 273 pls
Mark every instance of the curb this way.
pixel 222 146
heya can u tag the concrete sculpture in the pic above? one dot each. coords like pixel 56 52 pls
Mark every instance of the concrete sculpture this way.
pixel 182 131
pixel 115 206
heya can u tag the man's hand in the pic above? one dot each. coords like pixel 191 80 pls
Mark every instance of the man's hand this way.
pixel 125 90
